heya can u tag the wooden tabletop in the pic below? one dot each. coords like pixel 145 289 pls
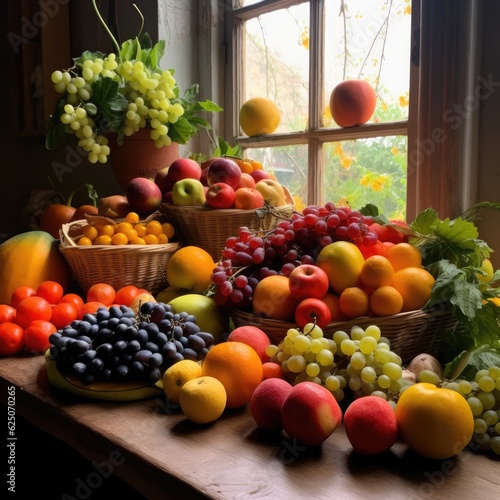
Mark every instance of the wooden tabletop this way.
pixel 163 455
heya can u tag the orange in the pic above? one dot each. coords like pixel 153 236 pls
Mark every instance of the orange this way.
pixel 126 294
pixel 63 314
pixel 385 300
pixel 7 313
pixel 272 299
pixel 203 399
pixel 404 255
pixel 190 268
pixel 332 301
pixel 238 367
pixel 272 370
pixel 72 298
pixel 89 307
pixel 51 291
pixel 36 335
pixel 101 292
pixel 377 271
pixel 415 286
pixel 21 293
pixel 31 309
pixel 354 302
pixel 11 338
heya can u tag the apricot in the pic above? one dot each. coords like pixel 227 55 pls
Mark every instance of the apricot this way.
pixel 352 102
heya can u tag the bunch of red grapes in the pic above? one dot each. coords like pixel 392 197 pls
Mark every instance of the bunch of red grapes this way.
pixel 249 257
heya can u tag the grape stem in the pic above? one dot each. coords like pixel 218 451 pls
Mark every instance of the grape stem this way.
pixel 113 39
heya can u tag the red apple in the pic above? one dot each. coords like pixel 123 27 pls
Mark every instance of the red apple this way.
pixel 246 181
pixel 220 195
pixel 182 168
pixel 167 197
pixel 308 280
pixel 224 170
pixel 248 199
pixel 312 310
pixel 393 234
pixel 203 177
pixel 143 195
pixel 258 175
pixel 310 413
pixel 266 402
pixel 161 179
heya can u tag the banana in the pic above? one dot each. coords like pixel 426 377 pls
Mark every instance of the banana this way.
pixel 107 391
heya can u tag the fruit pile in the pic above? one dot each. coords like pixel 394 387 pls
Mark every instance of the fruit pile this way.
pixel 221 183
pixel 121 345
pixel 130 231
pixel 33 314
pixel 344 263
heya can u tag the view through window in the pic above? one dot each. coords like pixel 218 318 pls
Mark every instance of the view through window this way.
pixel 295 53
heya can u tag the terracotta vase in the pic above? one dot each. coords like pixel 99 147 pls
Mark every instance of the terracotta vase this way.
pixel 139 157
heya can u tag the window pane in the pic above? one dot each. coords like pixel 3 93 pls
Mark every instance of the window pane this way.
pixel 368 171
pixel 370 39
pixel 277 63
pixel 288 164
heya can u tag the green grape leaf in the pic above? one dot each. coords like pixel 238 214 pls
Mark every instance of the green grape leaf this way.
pixel 56 129
pixel 468 363
pixel 111 104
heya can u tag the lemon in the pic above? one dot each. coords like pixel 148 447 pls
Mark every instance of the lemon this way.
pixel 259 116
pixel 203 399
pixel 177 375
pixel 487 267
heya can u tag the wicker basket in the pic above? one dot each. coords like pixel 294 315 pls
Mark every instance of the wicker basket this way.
pixel 409 333
pixel 118 265
pixel 209 228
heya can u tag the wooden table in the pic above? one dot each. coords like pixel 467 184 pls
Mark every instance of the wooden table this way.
pixel 162 455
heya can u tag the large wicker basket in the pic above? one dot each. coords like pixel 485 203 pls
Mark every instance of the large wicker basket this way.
pixel 117 265
pixel 209 228
pixel 409 333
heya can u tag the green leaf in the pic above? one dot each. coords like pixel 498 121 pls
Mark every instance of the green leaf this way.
pixel 88 55
pixel 111 104
pixel 156 54
pixel 56 129
pixel 481 358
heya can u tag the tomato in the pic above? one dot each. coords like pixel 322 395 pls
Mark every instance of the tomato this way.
pixel 436 423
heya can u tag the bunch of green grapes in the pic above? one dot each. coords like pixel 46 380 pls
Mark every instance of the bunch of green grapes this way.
pixel 151 96
pixel 360 361
pixel 483 396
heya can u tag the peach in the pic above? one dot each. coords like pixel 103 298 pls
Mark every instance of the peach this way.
pixel 266 402
pixel 352 102
pixel 247 198
pixel 252 336
pixel 371 425
pixel 246 181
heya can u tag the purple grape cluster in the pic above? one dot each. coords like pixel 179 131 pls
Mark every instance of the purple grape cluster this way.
pixel 249 257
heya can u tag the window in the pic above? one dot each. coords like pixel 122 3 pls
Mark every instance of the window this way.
pixel 294 52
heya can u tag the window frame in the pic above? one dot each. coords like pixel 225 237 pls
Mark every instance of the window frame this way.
pixel 316 135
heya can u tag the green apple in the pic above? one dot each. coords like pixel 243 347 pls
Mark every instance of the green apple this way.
pixel 209 316
pixel 188 192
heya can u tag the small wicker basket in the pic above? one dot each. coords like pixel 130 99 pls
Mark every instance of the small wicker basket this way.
pixel 209 228
pixel 117 265
pixel 410 333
